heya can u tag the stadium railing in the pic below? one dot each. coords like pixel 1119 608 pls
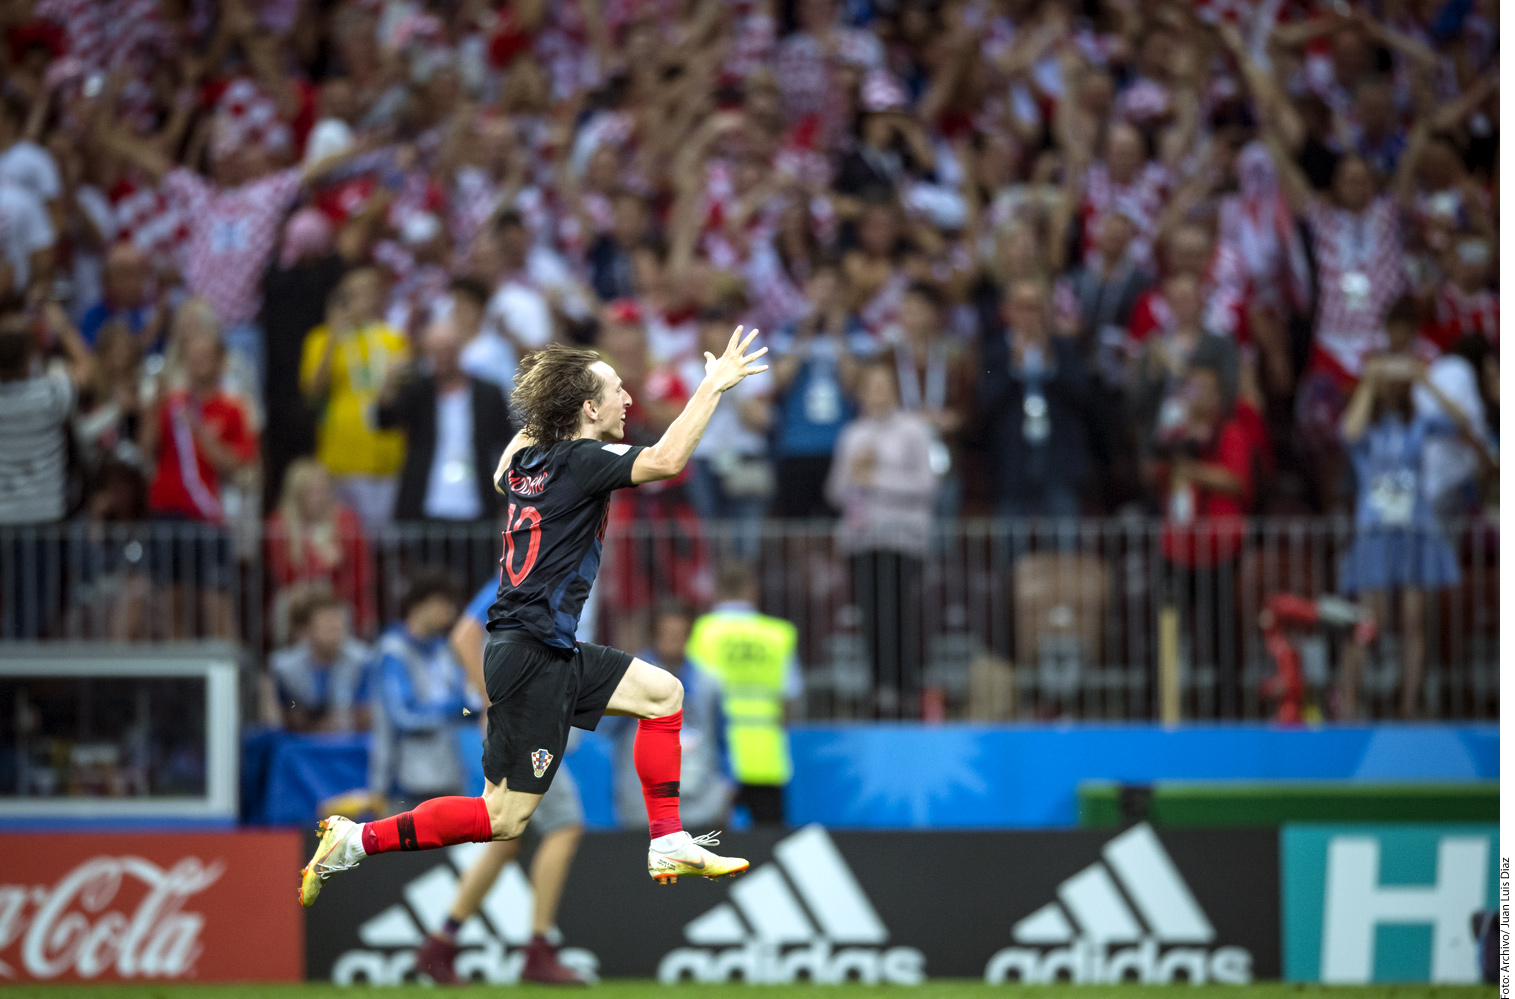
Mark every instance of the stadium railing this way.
pixel 991 620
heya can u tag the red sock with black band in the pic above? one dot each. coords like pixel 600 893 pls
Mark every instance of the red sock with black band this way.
pixel 431 824
pixel 657 756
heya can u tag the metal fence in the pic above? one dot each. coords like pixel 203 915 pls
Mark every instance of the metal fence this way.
pixel 1088 619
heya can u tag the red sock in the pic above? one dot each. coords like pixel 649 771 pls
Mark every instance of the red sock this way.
pixel 434 823
pixel 656 755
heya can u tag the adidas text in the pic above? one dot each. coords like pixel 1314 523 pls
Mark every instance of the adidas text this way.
pixel 1128 917
pixel 493 942
pixel 802 918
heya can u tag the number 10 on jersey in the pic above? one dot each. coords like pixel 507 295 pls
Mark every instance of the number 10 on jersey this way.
pixel 530 521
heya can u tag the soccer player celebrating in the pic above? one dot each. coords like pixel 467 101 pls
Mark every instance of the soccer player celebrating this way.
pixel 557 475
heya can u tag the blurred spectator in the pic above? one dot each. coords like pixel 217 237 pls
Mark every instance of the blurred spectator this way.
pixel 1397 545
pixel 874 268
pixel 752 657
pixel 27 238
pixel 705 787
pixel 111 591
pixel 456 427
pixel 1465 305
pixel 936 379
pixel 1257 232
pixel 23 163
pixel 126 298
pixel 344 366
pixel 1105 290
pixel 1161 365
pixel 466 302
pixel 420 697
pixel 1033 399
pixel 199 439
pixel 315 543
pixel 814 372
pixel 111 403
pixel 518 317
pixel 29 188
pixel 611 271
pixel 319 678
pixel 883 481
pixel 35 406
pixel 1452 465
pixel 1210 459
pixel 312 260
pixel 237 213
pixel 665 557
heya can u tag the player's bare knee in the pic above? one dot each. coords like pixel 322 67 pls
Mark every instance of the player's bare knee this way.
pixel 668 699
pixel 506 827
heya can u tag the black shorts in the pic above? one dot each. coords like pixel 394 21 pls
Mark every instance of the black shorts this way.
pixel 536 692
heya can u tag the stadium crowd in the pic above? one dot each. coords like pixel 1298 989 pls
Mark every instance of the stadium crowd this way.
pixel 278 260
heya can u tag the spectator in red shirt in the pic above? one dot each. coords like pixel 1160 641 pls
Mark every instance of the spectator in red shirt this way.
pixel 1465 305
pixel 1209 486
pixel 198 437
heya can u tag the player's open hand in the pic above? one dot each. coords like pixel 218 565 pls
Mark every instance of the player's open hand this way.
pixel 726 371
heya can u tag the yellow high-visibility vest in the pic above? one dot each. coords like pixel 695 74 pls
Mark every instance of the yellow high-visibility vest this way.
pixel 748 654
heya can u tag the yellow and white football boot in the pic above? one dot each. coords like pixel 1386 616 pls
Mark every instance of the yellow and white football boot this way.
pixel 340 849
pixel 686 856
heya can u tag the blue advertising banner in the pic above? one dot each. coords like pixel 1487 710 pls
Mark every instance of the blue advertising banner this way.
pixel 893 776
pixel 1385 903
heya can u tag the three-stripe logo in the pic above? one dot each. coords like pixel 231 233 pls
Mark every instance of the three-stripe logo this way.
pixel 1127 917
pixel 801 917
pixel 493 941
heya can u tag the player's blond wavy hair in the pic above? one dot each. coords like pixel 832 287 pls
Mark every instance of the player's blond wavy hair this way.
pixel 552 385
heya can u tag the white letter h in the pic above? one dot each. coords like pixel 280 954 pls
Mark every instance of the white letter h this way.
pixel 1356 903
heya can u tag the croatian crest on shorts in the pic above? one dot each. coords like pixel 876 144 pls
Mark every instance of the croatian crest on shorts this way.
pixel 541 759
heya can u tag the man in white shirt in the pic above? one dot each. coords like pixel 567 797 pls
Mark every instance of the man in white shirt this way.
pixel 26 237
pixel 23 163
pixel 518 318
pixel 456 426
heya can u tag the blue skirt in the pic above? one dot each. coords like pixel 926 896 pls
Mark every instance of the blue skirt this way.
pixel 1382 558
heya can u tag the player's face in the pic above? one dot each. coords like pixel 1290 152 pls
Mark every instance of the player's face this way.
pixel 609 417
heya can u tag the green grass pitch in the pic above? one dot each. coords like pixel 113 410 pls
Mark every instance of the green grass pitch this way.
pixel 623 989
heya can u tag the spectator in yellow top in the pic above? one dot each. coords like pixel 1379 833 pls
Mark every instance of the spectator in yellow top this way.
pixel 343 367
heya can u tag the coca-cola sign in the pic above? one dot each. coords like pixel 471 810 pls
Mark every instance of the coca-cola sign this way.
pixel 209 907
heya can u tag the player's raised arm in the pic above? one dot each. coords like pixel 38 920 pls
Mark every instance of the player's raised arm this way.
pixel 668 456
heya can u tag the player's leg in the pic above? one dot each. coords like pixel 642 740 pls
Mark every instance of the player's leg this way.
pixel 560 823
pixel 434 823
pixel 559 817
pixel 549 873
pixel 656 697
pixel 437 953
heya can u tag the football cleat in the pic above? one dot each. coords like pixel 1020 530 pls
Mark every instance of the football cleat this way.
pixel 332 854
pixel 690 858
pixel 434 959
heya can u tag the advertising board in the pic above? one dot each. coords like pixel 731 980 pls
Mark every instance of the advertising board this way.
pixel 204 907
pixel 832 906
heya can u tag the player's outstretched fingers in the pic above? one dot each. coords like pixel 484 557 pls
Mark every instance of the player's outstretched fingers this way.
pixel 736 335
pixel 747 342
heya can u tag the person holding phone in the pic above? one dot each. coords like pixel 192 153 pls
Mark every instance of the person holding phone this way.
pixel 1397 547
pixel 345 364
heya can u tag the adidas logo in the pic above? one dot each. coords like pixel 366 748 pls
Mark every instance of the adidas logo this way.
pixel 503 922
pixel 804 917
pixel 1128 917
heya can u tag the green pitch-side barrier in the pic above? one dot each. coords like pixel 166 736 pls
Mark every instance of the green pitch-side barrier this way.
pixel 1179 804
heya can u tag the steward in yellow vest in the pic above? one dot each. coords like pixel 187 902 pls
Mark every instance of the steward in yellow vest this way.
pixel 752 657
